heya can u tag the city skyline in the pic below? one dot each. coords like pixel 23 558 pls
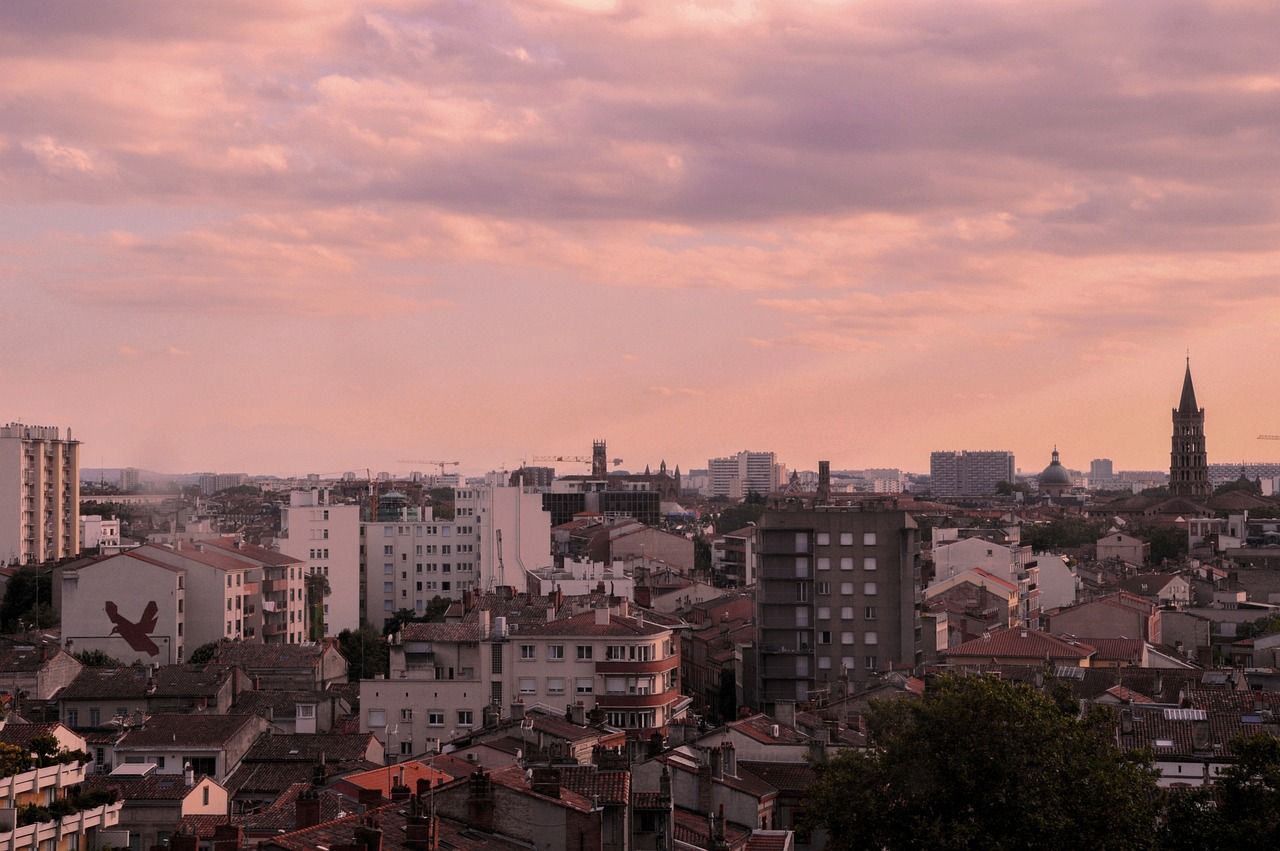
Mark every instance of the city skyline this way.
pixel 293 237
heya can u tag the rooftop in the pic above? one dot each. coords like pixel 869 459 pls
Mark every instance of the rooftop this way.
pixel 192 731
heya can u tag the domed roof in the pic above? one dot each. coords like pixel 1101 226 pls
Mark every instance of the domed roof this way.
pixel 1055 473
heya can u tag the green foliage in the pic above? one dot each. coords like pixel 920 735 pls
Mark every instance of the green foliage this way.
pixel 28 599
pixel 317 589
pixel 13 759
pixel 204 653
pixel 1244 485
pixel 97 659
pixel 366 652
pixel 701 555
pixel 1161 491
pixel 441 503
pixel 982 763
pixel 1262 626
pixel 1167 542
pixel 736 517
pixel 434 613
pixel 1063 533
pixel 1008 488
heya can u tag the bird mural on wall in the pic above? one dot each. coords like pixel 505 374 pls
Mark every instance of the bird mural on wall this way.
pixel 136 635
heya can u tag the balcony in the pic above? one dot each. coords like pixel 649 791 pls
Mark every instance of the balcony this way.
pixel 273 629
pixel 100 817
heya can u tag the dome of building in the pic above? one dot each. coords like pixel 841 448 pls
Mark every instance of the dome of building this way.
pixel 1055 473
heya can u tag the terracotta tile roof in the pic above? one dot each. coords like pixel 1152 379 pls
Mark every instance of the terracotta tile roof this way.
pixel 585 625
pixel 384 777
pixel 1127 695
pixel 451 765
pixel 695 829
pixel 192 731
pixel 1114 649
pixel 23 659
pixel 153 787
pixel 198 553
pixel 445 632
pixel 513 777
pixel 610 787
pixel 276 705
pixel 22 734
pixel 253 551
pixel 252 656
pixel 107 683
pixel 202 826
pixel 281 816
pixel 392 819
pixel 647 800
pixel 268 778
pixel 760 727
pixel 1173 732
pixel 309 747
pixel 1021 644
pixel 784 776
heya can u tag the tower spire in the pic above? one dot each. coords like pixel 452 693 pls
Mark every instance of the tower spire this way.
pixel 1187 404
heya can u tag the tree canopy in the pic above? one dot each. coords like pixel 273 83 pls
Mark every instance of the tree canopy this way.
pixel 979 762
pixel 28 600
pixel 1062 533
pixel 366 652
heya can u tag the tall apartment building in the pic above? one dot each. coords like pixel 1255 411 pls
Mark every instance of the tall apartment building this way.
pixel 838 593
pixel 1101 471
pixel 737 475
pixel 967 473
pixel 211 483
pixel 444 677
pixel 325 536
pixel 39 494
pixel 494 536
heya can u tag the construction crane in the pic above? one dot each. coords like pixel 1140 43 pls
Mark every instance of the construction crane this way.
pixel 572 459
pixel 440 464
pixel 1269 437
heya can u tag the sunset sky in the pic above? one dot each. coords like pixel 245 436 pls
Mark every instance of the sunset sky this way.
pixel 309 235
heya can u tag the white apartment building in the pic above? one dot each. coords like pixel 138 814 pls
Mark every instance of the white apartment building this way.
pixel 99 533
pixel 496 534
pixel 325 537
pixel 1013 563
pixel 737 475
pixel 39 494
pixel 443 677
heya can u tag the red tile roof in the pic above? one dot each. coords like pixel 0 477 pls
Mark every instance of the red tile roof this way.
pixel 253 551
pixel 760 727
pixel 1020 644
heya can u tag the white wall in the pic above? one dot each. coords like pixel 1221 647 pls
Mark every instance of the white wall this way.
pixel 327 538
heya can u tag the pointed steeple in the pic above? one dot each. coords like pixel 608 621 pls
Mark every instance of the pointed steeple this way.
pixel 1187 405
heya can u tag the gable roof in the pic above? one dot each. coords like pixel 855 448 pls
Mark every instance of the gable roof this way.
pixel 1021 644
pixel 185 730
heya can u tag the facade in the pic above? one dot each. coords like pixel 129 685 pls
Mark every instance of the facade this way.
pixel 99 533
pixel 39 494
pixel 1119 615
pixel 274 603
pixel 325 536
pixel 969 473
pixel 610 499
pixel 494 536
pixel 445 677
pixel 1101 472
pixel 733 557
pixel 1055 480
pixel 735 476
pixel 1126 548
pixel 532 477
pixel 211 483
pixel 1188 462
pixel 838 592
pixel 1013 563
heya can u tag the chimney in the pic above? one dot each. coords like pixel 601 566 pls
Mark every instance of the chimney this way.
pixel 188 775
pixel 400 792
pixel 713 759
pixel 578 714
pixel 482 617
pixel 480 801
pixel 369 836
pixel 704 788
pixel 422 826
pixel 546 781
pixel 517 710
pixel 228 837
pixel 664 786
pixel 602 617
pixel 369 798
pixel 785 712
pixel 306 811
pixel 184 842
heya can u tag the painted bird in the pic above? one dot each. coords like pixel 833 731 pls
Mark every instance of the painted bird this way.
pixel 136 635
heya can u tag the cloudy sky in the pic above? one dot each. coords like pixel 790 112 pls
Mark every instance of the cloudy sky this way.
pixel 309 235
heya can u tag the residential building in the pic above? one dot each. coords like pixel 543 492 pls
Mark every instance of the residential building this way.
pixel 155 804
pixel 1165 589
pixel 287 667
pixel 733 557
pixel 100 534
pixel 325 536
pixel 212 745
pixel 1101 472
pixel 445 677
pixel 211 483
pixel 133 607
pixel 969 472
pixel 39 494
pixel 610 499
pixel 711 653
pixel 1020 646
pixel 736 476
pixel 838 592
pixel 1126 548
pixel 37 672
pixel 532 477
pixel 1188 461
pixel 130 478
pixel 1012 562
pixel 102 697
pixel 975 601
pixel 91 821
pixel 646 543
pixel 1119 615
pixel 280 612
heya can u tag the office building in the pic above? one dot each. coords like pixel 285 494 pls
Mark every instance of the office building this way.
pixel 736 476
pixel 609 498
pixel 838 594
pixel 1188 461
pixel 39 494
pixel 1100 471
pixel 969 473
pixel 325 536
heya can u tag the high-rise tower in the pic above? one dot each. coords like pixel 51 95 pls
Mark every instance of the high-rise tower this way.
pixel 1188 463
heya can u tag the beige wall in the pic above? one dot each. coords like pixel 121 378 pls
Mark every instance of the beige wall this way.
pixel 131 584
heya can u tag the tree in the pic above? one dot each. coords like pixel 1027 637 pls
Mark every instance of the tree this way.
pixel 1249 793
pixel 1061 534
pixel 366 652
pixel 737 517
pixel 97 659
pixel 28 598
pixel 1167 542
pixel 1009 488
pixel 980 762
pixel 317 589
pixel 204 653
pixel 1262 626
pixel 434 613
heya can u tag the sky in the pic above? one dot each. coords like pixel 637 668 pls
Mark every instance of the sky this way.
pixel 317 236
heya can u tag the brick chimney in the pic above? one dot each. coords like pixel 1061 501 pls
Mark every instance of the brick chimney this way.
pixel 306 810
pixel 546 781
pixel 480 801
pixel 228 837
pixel 184 842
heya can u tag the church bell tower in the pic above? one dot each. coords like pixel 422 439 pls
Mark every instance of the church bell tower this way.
pixel 1188 463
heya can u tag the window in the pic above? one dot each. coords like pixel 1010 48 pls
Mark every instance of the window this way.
pixel 615 685
pixel 73 717
pixel 824 663
pixel 583 685
pixel 846 587
pixel 377 717
pixel 824 613
pixel 846 563
pixel 388 588
pixel 846 613
pixel 869 563
pixel 615 652
pixel 824 563
pixel 584 652
pixel 528 685
pixel 846 539
pixel 526 651
pixel 869 588
pixel 406 714
pixel 465 718
pixel 555 652
pixel 406 748
pixel 555 685
pixel 870 638
pixel 95 716
pixel 228 580
pixel 823 588
pixel 307 710
pixel 802 542
pixel 204 795
pixel 802 566
pixel 802 616
pixel 435 718
pixel 202 765
pixel 868 539
pixel 824 637
pixel 869 613
pixel 824 538
pixel 846 638
pixel 873 663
